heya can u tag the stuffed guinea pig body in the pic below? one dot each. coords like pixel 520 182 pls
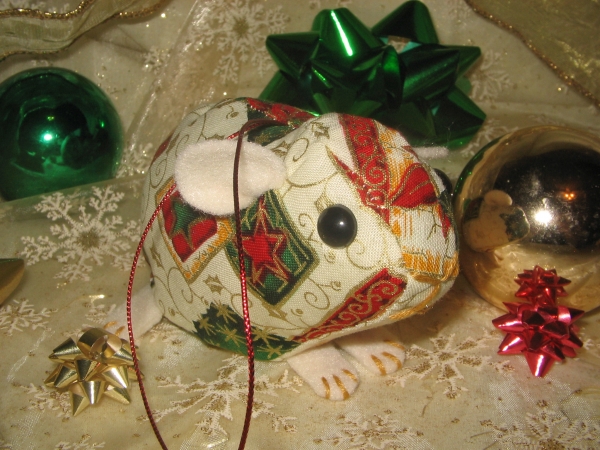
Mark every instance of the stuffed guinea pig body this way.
pixel 344 230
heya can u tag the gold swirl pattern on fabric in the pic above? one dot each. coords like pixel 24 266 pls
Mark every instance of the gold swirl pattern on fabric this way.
pixel 367 302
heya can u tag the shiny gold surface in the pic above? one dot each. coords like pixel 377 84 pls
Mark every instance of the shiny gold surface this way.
pixel 557 224
pixel 11 272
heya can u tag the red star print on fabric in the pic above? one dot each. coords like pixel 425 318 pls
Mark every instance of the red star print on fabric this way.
pixel 264 247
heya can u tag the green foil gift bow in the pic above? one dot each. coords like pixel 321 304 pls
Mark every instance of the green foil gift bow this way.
pixel 342 66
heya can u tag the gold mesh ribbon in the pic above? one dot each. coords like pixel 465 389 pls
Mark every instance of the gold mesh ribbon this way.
pixel 562 33
pixel 35 31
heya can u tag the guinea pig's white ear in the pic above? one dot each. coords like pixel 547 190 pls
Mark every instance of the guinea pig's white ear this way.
pixel 204 174
pixel 431 152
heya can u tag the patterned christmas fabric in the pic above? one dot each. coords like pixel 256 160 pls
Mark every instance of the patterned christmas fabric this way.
pixel 302 291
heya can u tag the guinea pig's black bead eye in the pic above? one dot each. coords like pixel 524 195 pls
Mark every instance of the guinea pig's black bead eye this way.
pixel 337 226
pixel 445 180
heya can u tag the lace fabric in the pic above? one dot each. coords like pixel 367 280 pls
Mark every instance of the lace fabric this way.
pixel 30 27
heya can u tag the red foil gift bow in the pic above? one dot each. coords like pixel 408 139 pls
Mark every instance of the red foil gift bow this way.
pixel 540 329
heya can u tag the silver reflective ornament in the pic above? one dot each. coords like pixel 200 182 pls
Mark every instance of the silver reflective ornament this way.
pixel 530 198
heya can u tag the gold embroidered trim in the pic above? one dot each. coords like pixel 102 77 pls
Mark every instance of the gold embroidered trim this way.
pixel 379 364
pixel 79 12
pixel 340 384
pixel 421 307
pixel 395 344
pixel 80 9
pixel 393 358
pixel 142 12
pixel 327 388
pixel 37 14
pixel 561 74
pixel 350 375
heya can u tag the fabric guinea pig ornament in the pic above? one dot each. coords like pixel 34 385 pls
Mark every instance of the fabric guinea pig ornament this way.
pixel 344 230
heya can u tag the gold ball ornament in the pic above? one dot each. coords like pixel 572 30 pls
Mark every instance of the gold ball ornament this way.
pixel 532 197
pixel 11 272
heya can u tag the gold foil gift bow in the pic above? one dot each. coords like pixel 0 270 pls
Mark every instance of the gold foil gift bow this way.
pixel 98 363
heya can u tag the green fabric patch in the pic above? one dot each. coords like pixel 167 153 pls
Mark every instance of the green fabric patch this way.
pixel 222 327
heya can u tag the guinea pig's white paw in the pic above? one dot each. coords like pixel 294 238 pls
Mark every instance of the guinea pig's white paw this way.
pixel 326 371
pixel 145 313
pixel 376 349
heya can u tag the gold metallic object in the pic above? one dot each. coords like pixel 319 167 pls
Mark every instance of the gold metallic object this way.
pixel 98 363
pixel 11 272
pixel 530 198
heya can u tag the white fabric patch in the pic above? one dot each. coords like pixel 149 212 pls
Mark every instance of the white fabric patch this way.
pixel 145 312
pixel 325 370
pixel 431 152
pixel 204 174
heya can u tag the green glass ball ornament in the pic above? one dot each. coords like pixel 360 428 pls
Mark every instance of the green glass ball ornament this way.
pixel 531 198
pixel 58 130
